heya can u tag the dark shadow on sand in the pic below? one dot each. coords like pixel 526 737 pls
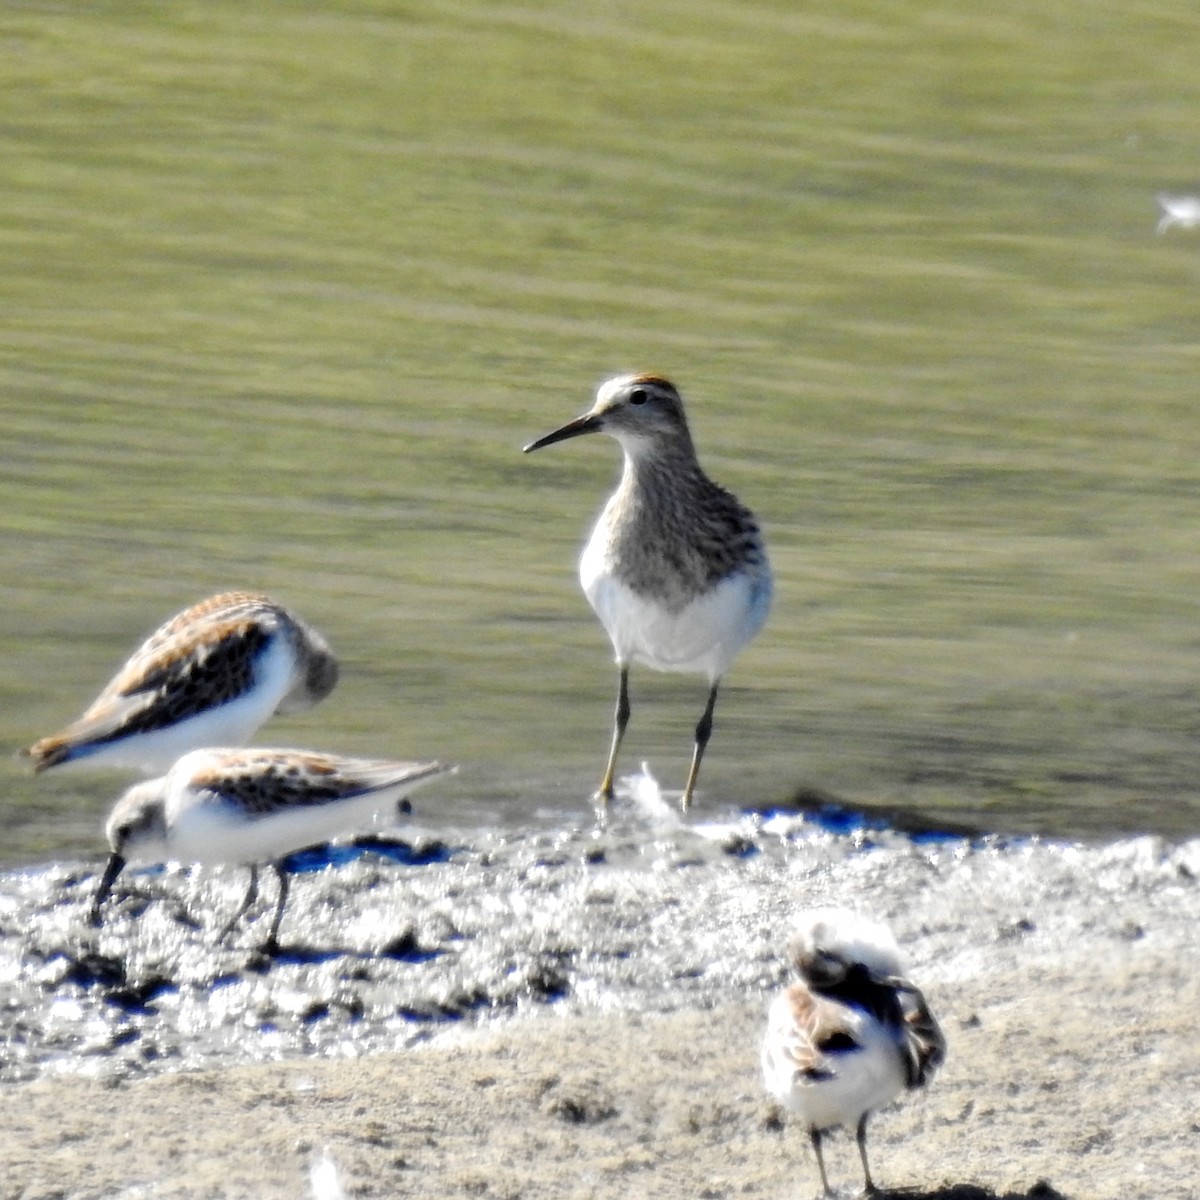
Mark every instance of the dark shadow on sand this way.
pixel 970 1191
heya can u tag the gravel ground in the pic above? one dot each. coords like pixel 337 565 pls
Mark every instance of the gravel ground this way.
pixel 579 1013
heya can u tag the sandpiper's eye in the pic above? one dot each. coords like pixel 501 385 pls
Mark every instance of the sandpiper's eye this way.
pixel 638 396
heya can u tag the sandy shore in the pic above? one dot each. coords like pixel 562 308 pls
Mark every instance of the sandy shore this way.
pixel 1059 1082
pixel 579 1015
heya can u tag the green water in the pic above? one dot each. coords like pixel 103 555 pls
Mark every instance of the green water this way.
pixel 286 286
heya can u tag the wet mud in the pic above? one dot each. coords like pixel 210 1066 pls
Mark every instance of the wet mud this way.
pixel 458 1019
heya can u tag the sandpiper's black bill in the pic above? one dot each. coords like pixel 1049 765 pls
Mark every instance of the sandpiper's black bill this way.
pixel 116 865
pixel 588 423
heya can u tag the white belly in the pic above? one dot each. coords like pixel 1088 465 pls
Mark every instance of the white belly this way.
pixel 231 724
pixel 859 1082
pixel 210 834
pixel 705 636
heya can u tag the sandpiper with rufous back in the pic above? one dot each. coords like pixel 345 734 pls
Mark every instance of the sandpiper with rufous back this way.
pixel 210 676
pixel 234 806
pixel 850 1034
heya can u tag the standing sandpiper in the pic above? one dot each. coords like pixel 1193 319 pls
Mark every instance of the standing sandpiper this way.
pixel 675 568
pixel 850 1034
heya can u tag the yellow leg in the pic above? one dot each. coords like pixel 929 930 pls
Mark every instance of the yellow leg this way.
pixel 703 732
pixel 620 720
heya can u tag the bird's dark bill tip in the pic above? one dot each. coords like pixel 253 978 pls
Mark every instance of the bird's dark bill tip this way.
pixel 588 423
pixel 113 868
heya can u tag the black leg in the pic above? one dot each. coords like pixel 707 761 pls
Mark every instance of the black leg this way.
pixel 862 1153
pixel 247 900
pixel 815 1134
pixel 620 720
pixel 271 946
pixel 703 732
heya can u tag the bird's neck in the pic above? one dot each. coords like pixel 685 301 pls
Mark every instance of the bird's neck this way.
pixel 660 471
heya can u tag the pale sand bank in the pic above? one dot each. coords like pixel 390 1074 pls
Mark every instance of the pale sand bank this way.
pixel 1084 1075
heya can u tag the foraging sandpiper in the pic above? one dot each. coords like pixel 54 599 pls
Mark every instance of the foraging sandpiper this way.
pixel 233 806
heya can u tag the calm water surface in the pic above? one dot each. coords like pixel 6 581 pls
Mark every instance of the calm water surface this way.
pixel 285 291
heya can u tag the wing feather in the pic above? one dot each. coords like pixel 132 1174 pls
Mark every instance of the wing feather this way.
pixel 817 1032
pixel 924 1041
pixel 263 782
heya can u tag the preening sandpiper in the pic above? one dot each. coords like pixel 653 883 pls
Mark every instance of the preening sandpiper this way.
pixel 851 1033
pixel 234 806
pixel 675 567
pixel 209 677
